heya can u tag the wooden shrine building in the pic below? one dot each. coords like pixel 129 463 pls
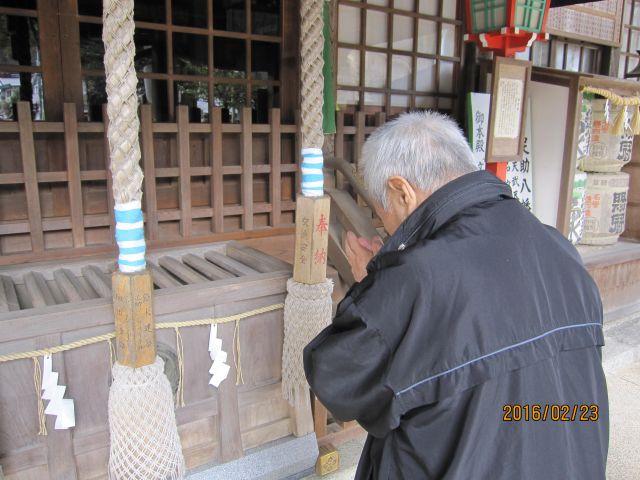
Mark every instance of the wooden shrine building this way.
pixel 218 88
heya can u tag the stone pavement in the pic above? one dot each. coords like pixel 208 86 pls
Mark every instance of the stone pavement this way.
pixel 624 417
pixel 624 437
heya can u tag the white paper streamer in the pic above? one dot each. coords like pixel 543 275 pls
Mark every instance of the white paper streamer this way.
pixel 62 408
pixel 219 369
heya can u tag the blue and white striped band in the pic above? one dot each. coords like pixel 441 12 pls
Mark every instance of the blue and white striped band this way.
pixel 311 169
pixel 130 237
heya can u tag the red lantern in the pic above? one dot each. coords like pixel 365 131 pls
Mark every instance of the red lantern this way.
pixel 506 26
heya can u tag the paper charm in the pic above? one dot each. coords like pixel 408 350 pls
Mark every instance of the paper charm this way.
pixel 61 407
pixel 219 369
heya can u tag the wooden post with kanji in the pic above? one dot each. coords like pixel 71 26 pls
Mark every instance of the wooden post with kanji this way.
pixel 312 239
pixel 133 315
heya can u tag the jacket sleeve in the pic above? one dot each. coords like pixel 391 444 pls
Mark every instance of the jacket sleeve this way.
pixel 346 365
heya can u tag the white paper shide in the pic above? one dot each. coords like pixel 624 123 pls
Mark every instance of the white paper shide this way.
pixel 62 408
pixel 219 368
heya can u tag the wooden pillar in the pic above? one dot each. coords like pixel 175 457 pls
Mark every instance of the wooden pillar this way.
pixel 499 169
pixel 133 313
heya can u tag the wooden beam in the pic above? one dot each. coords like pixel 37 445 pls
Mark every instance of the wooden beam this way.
pixel 73 174
pixel 275 157
pixel 98 280
pixel 161 278
pixel 28 154
pixel 319 418
pixel 149 166
pixel 339 148
pixel 184 164
pixel 208 269
pixel 246 152
pixel 228 263
pixel 255 258
pixel 217 180
pixel 71 61
pixel 570 157
pixel 180 270
pixel 71 287
pixel 10 291
pixel 229 434
pixel 38 290
pixel 4 303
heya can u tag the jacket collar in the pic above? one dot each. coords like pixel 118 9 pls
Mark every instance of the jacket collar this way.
pixel 441 206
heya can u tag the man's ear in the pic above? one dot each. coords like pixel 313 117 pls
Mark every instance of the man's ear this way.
pixel 403 191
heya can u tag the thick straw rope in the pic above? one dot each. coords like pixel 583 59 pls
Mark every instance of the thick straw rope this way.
pixel 312 80
pixel 122 107
pixel 145 444
pixel 307 307
pixel 307 312
pixel 613 97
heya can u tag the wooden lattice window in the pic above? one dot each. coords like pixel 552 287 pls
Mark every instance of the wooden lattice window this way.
pixel 395 55
pixel 20 58
pixel 630 41
pixel 200 53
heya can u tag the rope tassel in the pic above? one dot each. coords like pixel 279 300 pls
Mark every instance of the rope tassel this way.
pixel 619 124
pixel 635 121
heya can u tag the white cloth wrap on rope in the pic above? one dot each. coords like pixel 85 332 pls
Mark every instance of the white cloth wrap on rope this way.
pixel 307 310
pixel 144 438
pixel 312 177
pixel 130 237
pixel 122 106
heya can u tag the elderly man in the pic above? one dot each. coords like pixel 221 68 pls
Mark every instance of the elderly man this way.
pixel 469 348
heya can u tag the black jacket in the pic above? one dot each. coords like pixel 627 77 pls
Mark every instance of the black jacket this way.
pixel 471 306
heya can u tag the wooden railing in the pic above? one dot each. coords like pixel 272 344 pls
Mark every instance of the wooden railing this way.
pixel 350 203
pixel 203 182
pixel 351 132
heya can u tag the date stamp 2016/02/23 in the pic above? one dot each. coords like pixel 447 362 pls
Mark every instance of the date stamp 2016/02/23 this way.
pixel 556 413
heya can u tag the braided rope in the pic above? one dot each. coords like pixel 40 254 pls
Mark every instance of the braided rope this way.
pixel 613 97
pixel 122 106
pixel 108 336
pixel 312 80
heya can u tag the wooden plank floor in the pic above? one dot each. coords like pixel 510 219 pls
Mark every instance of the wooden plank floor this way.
pixel 280 246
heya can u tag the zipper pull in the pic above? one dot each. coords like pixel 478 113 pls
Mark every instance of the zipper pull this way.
pixel 402 247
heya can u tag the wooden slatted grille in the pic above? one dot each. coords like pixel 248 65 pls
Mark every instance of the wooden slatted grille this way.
pixel 203 182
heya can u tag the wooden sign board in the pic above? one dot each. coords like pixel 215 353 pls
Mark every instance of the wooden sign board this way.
pixel 133 313
pixel 312 238
pixel 595 22
pixel 505 137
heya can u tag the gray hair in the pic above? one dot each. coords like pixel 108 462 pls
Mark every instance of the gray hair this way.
pixel 427 148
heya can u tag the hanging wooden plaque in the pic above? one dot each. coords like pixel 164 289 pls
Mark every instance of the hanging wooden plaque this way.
pixel 510 84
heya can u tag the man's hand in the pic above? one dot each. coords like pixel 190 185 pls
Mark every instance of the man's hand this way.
pixel 359 252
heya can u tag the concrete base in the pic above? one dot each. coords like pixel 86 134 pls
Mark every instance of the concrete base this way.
pixel 289 458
